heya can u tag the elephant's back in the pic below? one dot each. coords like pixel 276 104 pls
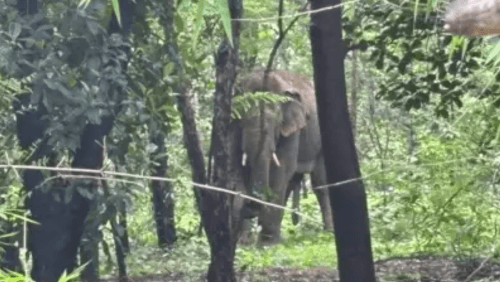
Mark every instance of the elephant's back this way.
pixel 279 82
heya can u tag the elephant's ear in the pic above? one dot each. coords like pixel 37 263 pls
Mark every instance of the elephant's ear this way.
pixel 294 115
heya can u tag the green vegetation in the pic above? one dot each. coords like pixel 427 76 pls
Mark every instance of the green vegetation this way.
pixel 440 200
pixel 427 134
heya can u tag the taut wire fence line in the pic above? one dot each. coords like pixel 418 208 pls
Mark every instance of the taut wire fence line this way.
pixel 294 15
pixel 111 176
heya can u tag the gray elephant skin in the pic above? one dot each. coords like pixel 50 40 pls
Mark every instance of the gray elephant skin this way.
pixel 279 143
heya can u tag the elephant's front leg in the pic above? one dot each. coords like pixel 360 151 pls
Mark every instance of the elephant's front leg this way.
pixel 279 176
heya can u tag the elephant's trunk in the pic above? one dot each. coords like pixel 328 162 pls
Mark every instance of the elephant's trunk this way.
pixel 260 175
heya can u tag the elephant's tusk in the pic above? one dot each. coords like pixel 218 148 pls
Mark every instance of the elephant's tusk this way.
pixel 275 159
pixel 244 159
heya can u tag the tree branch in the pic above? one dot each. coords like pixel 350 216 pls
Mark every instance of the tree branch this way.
pixel 282 34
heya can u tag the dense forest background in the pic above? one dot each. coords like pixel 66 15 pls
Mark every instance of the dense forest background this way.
pixel 423 103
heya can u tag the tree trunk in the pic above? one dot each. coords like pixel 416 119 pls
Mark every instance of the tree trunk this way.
pixel 191 137
pixel 52 243
pixel 348 200
pixel 90 153
pixel 120 250
pixel 192 141
pixel 89 246
pixel 162 191
pixel 216 206
pixel 122 222
pixel 163 201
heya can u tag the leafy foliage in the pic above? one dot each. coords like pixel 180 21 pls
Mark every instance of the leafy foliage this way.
pixel 419 59
pixel 73 66
pixel 248 103
pixel 432 182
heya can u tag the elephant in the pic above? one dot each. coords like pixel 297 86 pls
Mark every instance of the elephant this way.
pixel 278 145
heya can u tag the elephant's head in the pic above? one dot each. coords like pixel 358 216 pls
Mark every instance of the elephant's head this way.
pixel 263 128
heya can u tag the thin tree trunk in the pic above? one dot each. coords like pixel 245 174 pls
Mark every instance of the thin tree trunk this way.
pixel 120 251
pixel 216 207
pixel 191 138
pixel 348 201
pixel 122 222
pixel 89 246
pixel 163 201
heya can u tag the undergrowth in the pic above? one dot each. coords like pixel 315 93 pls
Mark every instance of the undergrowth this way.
pixel 440 199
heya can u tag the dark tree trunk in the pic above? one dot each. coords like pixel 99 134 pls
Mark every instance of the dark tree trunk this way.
pixel 90 153
pixel 163 202
pixel 192 141
pixel 52 243
pixel 216 206
pixel 349 200
pixel 122 222
pixel 120 235
pixel 89 246
pixel 120 250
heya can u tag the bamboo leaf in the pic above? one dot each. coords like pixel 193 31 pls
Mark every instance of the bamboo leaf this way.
pixel 116 9
pixel 198 21
pixel 494 53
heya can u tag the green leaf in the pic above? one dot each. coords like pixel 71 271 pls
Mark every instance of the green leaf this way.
pixel 93 27
pixel 179 23
pixel 84 3
pixel 223 9
pixel 15 30
pixel 248 103
pixel 494 54
pixel 116 9
pixel 182 4
pixel 168 69
pixel 197 21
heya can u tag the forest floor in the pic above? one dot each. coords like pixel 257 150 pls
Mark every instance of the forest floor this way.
pixel 428 269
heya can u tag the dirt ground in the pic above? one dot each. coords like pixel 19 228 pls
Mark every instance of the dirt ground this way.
pixel 424 269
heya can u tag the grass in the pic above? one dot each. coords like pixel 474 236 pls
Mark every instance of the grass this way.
pixel 305 245
pixel 440 214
